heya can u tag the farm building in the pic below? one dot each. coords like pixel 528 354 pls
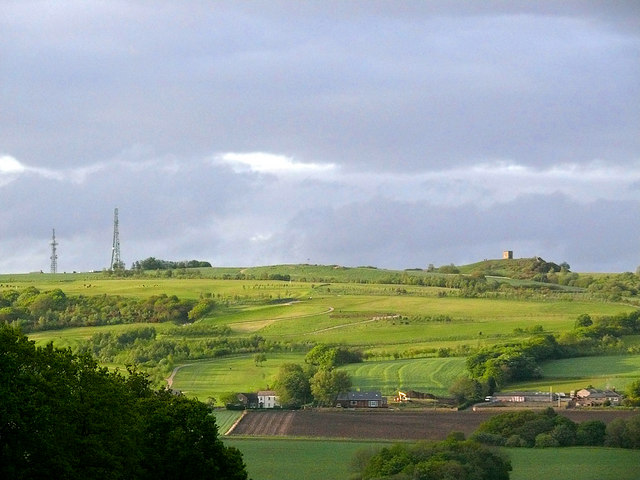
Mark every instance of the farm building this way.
pixel 524 397
pixel 248 400
pixel 267 399
pixel 361 400
pixel 589 397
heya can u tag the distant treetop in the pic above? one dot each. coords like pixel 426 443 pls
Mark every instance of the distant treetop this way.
pixel 152 263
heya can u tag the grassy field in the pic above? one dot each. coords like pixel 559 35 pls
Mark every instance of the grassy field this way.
pixel 345 309
pixel 330 460
pixel 71 337
pixel 79 284
pixel 301 459
pixel 225 419
pixel 578 462
pixel 392 322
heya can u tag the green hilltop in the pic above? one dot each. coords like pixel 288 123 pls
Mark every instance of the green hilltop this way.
pixel 520 268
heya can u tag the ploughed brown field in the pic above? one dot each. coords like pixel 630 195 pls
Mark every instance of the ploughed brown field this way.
pixel 385 424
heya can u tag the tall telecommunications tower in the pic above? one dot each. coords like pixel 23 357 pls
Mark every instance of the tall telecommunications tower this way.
pixel 116 263
pixel 54 254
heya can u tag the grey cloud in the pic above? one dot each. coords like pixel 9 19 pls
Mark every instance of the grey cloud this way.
pixel 360 89
pixel 403 235
pixel 125 104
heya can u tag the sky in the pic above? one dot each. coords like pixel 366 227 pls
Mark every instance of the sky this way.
pixel 379 133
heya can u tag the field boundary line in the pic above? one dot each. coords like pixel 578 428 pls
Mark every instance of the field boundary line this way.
pixel 293 317
pixel 235 424
pixel 174 372
pixel 373 319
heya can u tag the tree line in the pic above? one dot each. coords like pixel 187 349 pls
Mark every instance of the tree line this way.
pixel 152 263
pixel 34 310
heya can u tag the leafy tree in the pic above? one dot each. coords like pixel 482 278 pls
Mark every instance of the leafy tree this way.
pixel 292 385
pixel 259 358
pixel 62 416
pixel 516 441
pixel 633 393
pixel 616 434
pixel 584 320
pixel 327 384
pixel 182 441
pixel 591 433
pixel 632 434
pixel 623 433
pixel 546 440
pixel 327 356
pixel 465 389
pixel 152 263
pixel 564 432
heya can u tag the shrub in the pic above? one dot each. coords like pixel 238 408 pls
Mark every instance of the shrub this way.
pixel 591 433
pixel 546 440
pixel 515 441
pixel 488 438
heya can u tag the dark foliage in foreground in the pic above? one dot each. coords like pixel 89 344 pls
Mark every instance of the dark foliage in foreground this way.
pixel 63 417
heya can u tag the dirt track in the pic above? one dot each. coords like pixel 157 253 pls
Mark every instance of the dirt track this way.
pixel 389 424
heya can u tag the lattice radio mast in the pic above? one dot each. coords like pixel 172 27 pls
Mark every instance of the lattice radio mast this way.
pixel 54 254
pixel 116 263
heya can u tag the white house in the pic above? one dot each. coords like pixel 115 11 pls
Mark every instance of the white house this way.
pixel 267 399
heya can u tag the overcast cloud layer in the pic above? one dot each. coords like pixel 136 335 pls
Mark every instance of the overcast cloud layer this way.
pixel 394 134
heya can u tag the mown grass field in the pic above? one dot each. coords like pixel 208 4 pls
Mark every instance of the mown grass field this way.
pixel 429 375
pixel 575 373
pixel 235 373
pixel 582 463
pixel 304 459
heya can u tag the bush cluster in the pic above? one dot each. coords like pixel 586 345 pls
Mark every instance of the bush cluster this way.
pixel 450 459
pixel 548 429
